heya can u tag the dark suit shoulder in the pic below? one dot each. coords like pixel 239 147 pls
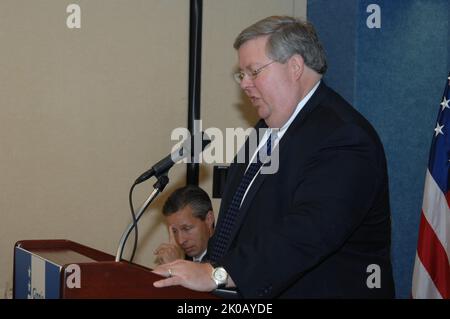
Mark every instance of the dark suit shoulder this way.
pixel 332 111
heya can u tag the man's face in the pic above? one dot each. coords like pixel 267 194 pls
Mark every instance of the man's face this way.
pixel 191 233
pixel 271 92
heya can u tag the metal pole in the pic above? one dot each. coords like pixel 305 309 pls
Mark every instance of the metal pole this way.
pixel 195 62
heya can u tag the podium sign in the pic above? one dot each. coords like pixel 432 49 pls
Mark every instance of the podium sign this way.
pixel 34 276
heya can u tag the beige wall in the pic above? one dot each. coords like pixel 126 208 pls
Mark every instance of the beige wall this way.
pixel 83 112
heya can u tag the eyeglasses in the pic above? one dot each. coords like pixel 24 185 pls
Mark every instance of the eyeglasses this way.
pixel 239 76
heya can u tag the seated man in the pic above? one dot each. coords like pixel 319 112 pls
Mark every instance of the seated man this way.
pixel 190 220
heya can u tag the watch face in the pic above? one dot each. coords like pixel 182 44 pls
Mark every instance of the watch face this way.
pixel 220 274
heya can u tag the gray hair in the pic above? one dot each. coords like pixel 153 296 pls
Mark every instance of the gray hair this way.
pixel 287 36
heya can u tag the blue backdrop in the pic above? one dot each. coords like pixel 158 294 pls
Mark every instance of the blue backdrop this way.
pixel 395 75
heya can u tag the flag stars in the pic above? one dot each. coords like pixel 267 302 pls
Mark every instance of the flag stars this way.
pixel 444 104
pixel 438 129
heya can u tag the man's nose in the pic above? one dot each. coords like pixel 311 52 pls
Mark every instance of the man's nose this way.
pixel 246 82
pixel 182 239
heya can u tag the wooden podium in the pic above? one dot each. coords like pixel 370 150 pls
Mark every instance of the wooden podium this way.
pixel 64 269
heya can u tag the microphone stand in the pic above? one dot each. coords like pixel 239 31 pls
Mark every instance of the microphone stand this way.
pixel 159 186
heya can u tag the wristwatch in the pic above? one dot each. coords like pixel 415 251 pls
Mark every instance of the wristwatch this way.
pixel 220 277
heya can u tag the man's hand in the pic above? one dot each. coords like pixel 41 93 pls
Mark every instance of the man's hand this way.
pixel 195 276
pixel 168 252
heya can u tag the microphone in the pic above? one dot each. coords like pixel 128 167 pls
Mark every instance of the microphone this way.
pixel 167 162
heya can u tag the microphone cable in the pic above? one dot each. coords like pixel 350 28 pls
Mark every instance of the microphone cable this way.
pixel 133 215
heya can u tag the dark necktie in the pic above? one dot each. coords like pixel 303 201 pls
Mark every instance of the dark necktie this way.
pixel 224 232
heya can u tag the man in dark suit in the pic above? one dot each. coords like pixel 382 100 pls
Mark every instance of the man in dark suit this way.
pixel 190 221
pixel 318 227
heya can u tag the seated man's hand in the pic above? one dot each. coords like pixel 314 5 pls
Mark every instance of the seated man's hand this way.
pixel 168 252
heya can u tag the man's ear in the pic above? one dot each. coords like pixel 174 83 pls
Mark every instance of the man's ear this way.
pixel 210 219
pixel 296 65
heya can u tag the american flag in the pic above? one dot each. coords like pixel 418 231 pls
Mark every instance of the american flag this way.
pixel 431 279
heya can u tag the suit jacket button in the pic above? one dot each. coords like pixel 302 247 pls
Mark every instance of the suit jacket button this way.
pixel 267 290
pixel 261 292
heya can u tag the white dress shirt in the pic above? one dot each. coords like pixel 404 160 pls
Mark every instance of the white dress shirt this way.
pixel 199 259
